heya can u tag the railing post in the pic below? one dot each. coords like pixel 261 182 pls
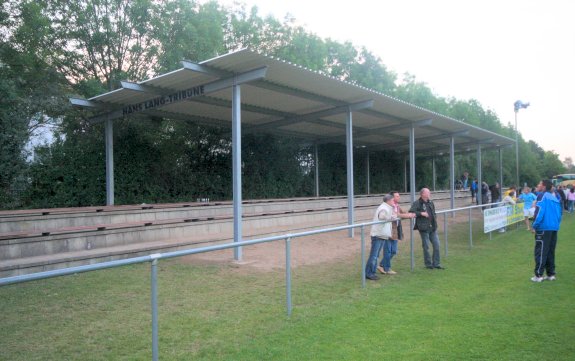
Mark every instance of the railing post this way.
pixel 445 231
pixel 363 256
pixel 470 230
pixel 411 255
pixel 154 310
pixel 288 275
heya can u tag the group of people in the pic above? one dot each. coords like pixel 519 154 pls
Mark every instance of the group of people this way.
pixel 385 236
pixel 567 195
pixel 543 205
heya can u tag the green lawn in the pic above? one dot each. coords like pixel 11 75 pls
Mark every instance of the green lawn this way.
pixel 483 307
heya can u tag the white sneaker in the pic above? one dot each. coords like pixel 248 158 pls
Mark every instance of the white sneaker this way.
pixel 550 278
pixel 536 279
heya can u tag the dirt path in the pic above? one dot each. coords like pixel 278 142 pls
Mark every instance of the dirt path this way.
pixel 322 248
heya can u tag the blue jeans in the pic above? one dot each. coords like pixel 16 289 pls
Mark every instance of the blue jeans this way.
pixel 371 265
pixel 426 238
pixel 570 206
pixel 389 250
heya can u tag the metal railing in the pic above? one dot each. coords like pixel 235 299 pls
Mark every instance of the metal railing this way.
pixel 453 211
pixel 154 258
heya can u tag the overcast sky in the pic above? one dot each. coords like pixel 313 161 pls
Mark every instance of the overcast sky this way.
pixel 492 50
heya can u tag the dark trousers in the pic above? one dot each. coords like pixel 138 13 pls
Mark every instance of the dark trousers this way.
pixel 545 242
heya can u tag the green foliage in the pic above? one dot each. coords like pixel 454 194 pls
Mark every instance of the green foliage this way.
pixel 54 48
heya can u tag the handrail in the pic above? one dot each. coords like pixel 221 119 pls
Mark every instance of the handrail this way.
pixel 117 263
pixel 154 258
pixel 157 256
pixel 469 207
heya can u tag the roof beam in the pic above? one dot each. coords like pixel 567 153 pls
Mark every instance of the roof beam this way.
pixel 390 128
pixel 144 88
pixel 197 68
pixel 430 138
pixel 177 96
pixel 84 103
pixel 312 117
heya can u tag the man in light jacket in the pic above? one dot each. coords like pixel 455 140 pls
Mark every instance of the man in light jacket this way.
pixel 379 233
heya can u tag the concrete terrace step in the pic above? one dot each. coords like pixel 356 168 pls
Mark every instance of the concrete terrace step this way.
pixel 87 238
pixel 40 220
pixel 27 251
pixel 76 258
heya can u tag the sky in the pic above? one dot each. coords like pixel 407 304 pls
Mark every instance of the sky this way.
pixel 493 51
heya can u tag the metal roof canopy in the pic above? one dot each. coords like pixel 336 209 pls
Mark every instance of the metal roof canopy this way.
pixel 283 98
pixel 289 100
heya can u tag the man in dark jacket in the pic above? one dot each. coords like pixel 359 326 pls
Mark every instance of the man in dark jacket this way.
pixel 426 224
pixel 495 193
pixel 546 222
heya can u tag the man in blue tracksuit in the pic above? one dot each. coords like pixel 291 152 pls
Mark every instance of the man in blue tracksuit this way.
pixel 546 222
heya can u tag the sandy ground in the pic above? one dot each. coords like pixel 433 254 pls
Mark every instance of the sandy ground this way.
pixel 321 248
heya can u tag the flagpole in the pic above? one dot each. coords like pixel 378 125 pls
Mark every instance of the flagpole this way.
pixel 516 106
pixel 516 152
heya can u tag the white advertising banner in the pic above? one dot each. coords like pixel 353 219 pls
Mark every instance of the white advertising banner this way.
pixel 495 218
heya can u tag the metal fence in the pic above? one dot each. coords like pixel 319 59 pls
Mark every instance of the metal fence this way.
pixel 287 238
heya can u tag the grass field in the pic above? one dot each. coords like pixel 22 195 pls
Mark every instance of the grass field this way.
pixel 483 307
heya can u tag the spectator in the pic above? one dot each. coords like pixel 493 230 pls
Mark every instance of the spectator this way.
pixel 390 245
pixel 509 199
pixel 426 224
pixel 484 193
pixel 528 199
pixel 473 189
pixel 562 197
pixel 464 180
pixel 513 189
pixel 379 233
pixel 571 199
pixel 546 223
pixel 495 192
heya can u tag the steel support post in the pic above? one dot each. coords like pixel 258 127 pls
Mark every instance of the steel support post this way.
pixel 516 153
pixel 470 230
pixel 412 186
pixel 349 145
pixel 367 169
pixel 109 162
pixel 237 167
pixel 404 174
pixel 288 276
pixel 316 161
pixel 433 172
pixel 362 256
pixel 154 290
pixel 445 232
pixel 452 172
pixel 500 151
pixel 479 177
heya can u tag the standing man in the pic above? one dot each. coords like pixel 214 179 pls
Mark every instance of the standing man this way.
pixel 546 222
pixel 390 245
pixel 426 224
pixel 380 232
